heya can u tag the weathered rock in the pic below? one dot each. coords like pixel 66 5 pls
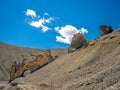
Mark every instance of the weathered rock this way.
pixel 104 29
pixel 77 42
pixel 27 68
pixel 9 54
pixel 25 73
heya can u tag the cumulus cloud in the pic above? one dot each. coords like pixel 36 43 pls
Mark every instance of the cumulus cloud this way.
pixel 67 32
pixel 40 22
pixel 31 13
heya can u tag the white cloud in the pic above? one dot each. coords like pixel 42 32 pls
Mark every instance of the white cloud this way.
pixel 49 20
pixel 83 30
pixel 45 28
pixel 46 14
pixel 41 22
pixel 31 13
pixel 57 28
pixel 67 32
pixel 37 24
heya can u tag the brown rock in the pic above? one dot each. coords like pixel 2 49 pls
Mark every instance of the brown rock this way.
pixel 9 54
pixel 31 66
pixel 104 29
pixel 77 42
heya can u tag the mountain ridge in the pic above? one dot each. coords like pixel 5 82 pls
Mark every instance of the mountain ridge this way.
pixel 96 67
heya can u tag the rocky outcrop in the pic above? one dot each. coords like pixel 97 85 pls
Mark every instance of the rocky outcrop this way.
pixel 104 29
pixel 23 69
pixel 9 54
pixel 78 41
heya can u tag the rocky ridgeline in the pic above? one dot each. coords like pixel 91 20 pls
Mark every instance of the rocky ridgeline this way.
pixel 32 64
pixel 79 41
pixel 94 67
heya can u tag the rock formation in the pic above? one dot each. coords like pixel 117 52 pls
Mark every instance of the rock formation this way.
pixel 77 42
pixel 9 54
pixel 104 29
pixel 25 68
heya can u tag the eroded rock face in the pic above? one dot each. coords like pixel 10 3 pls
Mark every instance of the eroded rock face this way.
pixel 104 29
pixel 18 70
pixel 9 54
pixel 78 41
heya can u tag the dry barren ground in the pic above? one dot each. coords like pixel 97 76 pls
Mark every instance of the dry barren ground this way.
pixel 96 67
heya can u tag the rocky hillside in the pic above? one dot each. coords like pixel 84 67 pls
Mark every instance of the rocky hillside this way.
pixel 59 52
pixel 10 54
pixel 95 67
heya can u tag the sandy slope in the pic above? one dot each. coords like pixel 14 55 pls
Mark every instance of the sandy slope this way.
pixel 96 67
pixel 9 54
pixel 59 52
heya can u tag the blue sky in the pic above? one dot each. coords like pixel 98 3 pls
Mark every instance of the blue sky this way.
pixel 49 24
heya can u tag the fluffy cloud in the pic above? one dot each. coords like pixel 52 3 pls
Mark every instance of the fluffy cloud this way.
pixel 31 13
pixel 41 22
pixel 46 14
pixel 67 32
pixel 83 30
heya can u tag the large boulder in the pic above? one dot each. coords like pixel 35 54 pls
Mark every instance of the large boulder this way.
pixel 104 29
pixel 78 41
